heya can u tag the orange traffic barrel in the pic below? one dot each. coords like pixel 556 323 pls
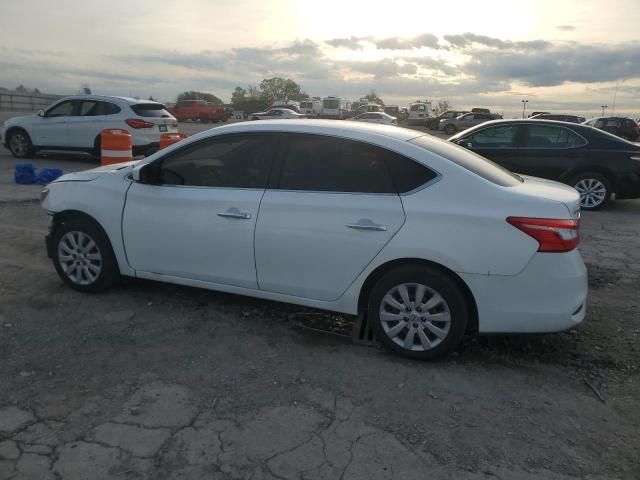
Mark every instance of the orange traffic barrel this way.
pixel 167 139
pixel 116 146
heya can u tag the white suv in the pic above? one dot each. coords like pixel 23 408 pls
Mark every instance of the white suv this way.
pixel 430 240
pixel 73 125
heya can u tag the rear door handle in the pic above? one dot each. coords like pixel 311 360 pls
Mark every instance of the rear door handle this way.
pixel 235 213
pixel 366 224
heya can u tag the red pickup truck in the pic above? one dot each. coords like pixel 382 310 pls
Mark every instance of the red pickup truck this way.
pixel 197 110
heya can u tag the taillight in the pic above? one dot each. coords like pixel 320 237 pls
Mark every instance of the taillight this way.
pixel 552 235
pixel 174 124
pixel 137 123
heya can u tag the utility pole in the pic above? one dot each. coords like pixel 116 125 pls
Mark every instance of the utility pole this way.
pixel 603 107
pixel 524 106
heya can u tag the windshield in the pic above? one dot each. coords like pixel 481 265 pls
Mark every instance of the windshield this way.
pixel 418 108
pixel 150 110
pixel 470 161
pixel 331 103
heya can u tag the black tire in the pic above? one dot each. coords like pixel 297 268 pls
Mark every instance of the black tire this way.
pixel 108 273
pixel 438 282
pixel 204 120
pixel 582 180
pixel 450 129
pixel 19 144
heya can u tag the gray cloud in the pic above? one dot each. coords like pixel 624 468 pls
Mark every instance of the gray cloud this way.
pixel 399 43
pixel 566 28
pixel 352 43
pixel 557 65
pixel 469 39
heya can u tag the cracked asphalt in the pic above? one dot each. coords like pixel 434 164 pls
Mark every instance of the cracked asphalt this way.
pixel 154 381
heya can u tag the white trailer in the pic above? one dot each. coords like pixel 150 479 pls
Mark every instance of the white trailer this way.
pixel 418 113
pixel 311 108
pixel 335 107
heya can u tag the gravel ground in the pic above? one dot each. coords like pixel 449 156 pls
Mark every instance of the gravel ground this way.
pixel 159 381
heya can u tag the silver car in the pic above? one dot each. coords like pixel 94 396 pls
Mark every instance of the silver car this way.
pixel 468 120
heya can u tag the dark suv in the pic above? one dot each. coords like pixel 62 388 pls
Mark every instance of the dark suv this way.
pixel 622 127
pixel 433 122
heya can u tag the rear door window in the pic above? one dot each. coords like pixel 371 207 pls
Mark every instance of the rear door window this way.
pixel 156 110
pixel 328 164
pixel 550 136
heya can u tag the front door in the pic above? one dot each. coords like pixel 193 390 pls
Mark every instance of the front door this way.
pixel 498 143
pixel 195 217
pixel 50 130
pixel 86 124
pixel 332 211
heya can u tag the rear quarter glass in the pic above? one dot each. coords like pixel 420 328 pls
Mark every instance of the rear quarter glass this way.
pixel 470 161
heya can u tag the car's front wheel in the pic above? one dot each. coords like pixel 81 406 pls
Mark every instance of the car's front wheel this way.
pixel 83 257
pixel 594 190
pixel 20 144
pixel 450 129
pixel 418 312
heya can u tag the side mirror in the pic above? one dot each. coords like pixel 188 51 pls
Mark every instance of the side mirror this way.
pixel 143 174
pixel 41 113
pixel 464 143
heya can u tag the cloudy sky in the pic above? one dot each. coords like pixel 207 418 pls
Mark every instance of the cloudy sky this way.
pixel 561 55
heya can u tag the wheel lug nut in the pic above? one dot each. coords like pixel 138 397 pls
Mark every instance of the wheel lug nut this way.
pixel 419 309
pixel 408 309
pixel 424 319
pixel 406 319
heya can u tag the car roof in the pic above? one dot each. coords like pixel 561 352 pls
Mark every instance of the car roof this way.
pixel 129 100
pixel 321 127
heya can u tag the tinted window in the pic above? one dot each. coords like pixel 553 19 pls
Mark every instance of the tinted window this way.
pixel 150 110
pixel 240 161
pixel 107 108
pixel 407 174
pixel 327 164
pixel 494 137
pixel 88 108
pixel 549 136
pixel 63 109
pixel 470 161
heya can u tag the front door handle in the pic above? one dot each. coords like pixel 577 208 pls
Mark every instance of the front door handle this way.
pixel 235 213
pixel 366 224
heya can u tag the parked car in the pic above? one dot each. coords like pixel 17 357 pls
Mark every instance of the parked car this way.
pixel 594 162
pixel 276 113
pixel 534 114
pixel 438 241
pixel 73 125
pixel 622 127
pixel 198 110
pixel 558 116
pixel 467 120
pixel 393 110
pixel 376 117
pixel 419 112
pixel 433 123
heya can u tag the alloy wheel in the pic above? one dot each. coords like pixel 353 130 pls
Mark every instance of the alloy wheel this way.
pixel 415 317
pixel 79 257
pixel 19 144
pixel 592 192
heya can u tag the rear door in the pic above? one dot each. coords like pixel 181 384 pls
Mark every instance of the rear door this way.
pixel 85 125
pixel 333 208
pixel 548 151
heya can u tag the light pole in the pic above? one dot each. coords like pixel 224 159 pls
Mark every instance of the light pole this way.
pixel 524 106
pixel 603 107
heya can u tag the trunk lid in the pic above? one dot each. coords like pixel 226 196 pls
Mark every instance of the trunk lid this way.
pixel 540 187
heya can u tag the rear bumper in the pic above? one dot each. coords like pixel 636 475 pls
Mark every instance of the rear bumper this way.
pixel 628 186
pixel 549 295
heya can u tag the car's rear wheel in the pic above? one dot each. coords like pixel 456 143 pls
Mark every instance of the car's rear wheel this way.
pixel 418 312
pixel 20 144
pixel 204 119
pixel 450 129
pixel 83 257
pixel 594 190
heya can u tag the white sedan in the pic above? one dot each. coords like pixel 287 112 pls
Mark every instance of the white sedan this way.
pixel 73 125
pixel 376 117
pixel 429 240
pixel 276 114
